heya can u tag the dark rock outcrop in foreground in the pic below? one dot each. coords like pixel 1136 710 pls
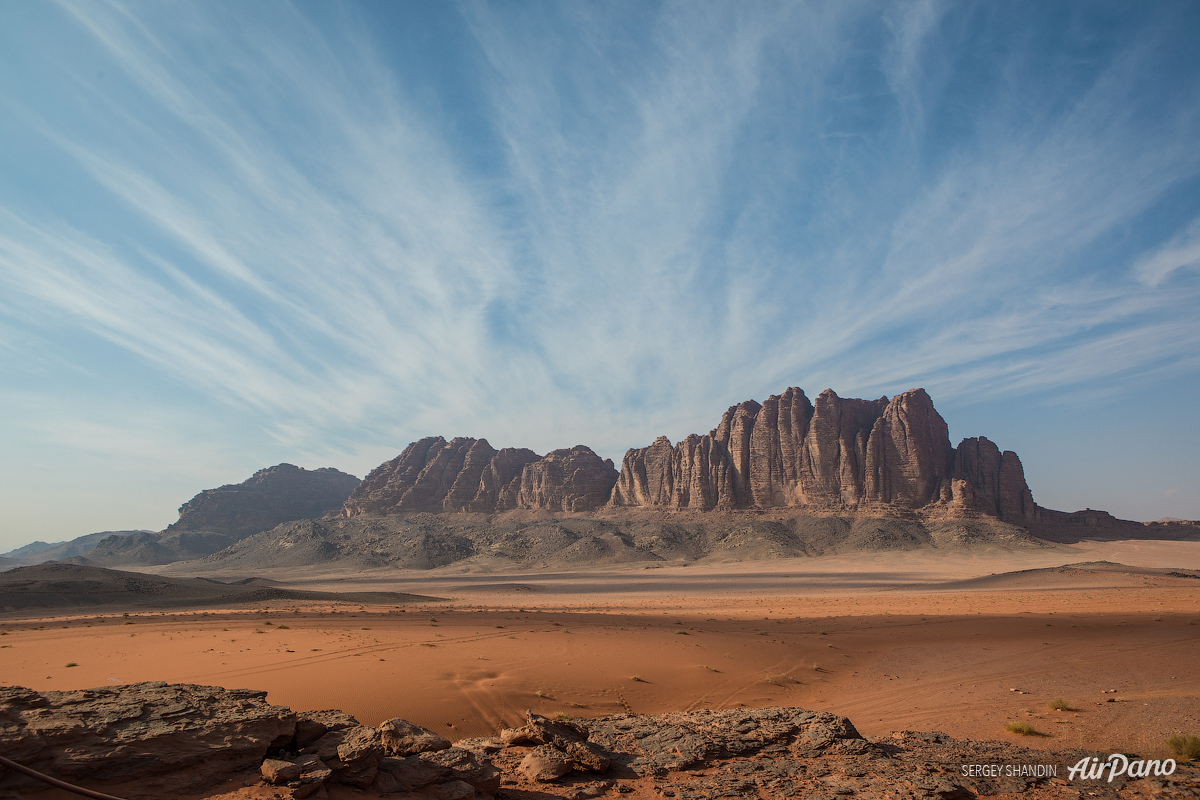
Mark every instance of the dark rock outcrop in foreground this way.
pixel 216 518
pixel 157 740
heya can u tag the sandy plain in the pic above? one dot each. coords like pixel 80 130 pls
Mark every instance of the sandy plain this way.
pixel 919 640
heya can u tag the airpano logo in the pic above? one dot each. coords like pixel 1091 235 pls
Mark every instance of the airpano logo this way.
pixel 1117 765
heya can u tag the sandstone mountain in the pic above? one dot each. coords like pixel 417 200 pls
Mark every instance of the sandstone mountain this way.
pixel 835 455
pixel 216 518
pixel 470 475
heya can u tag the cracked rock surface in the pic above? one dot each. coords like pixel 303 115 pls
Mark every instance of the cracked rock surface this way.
pixel 155 740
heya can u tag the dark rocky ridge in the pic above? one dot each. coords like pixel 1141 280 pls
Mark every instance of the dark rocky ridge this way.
pixel 71 586
pixel 154 740
pixel 216 518
pixel 265 499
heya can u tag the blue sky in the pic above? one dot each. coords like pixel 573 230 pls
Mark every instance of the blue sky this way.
pixel 235 234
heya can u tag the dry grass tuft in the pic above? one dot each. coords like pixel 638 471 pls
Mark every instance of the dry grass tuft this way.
pixel 1182 746
pixel 1058 704
pixel 1022 728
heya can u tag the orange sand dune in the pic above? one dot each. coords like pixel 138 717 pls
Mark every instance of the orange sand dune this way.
pixel 882 644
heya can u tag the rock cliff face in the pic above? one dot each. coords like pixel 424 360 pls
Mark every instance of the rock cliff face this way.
pixel 835 454
pixel 467 474
pixel 270 496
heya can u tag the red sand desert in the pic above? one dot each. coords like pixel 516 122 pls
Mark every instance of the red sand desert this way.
pixel 918 641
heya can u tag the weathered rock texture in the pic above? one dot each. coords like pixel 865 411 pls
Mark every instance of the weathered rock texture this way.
pixel 835 454
pixel 154 740
pixel 143 731
pixel 466 474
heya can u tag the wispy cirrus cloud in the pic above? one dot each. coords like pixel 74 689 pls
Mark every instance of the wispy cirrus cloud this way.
pixel 599 223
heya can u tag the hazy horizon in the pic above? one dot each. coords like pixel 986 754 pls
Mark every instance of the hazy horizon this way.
pixel 238 235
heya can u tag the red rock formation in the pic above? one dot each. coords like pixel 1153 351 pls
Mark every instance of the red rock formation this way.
pixel 837 454
pixel 574 479
pixel 776 446
pixel 434 475
pixel 909 457
pixel 992 482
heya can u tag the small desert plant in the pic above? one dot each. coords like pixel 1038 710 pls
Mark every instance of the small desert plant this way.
pixel 637 678
pixel 284 628
pixel 1185 747
pixel 1022 728
pixel 71 664
pixel 540 693
pixel 710 669
pixel 682 633
pixel 562 716
pixel 1058 704
pixel 365 628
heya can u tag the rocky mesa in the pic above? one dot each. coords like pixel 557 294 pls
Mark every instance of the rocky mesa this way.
pixel 836 454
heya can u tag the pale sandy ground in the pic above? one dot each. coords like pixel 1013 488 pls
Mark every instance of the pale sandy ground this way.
pixel 866 636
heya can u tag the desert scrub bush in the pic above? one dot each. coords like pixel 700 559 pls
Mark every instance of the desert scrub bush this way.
pixel 1185 747
pixel 637 678
pixel 1058 704
pixel 73 664
pixel 283 628
pixel 562 716
pixel 1022 728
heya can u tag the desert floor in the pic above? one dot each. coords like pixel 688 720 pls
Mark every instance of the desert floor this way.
pixel 920 641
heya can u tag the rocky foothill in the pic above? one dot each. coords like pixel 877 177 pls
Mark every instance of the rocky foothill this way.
pixel 154 740
pixel 788 452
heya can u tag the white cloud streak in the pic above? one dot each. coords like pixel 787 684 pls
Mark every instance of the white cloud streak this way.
pixel 677 220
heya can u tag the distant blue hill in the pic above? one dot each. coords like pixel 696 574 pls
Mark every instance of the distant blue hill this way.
pixel 41 552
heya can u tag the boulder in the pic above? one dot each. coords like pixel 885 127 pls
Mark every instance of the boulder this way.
pixel 403 738
pixel 546 763
pixel 276 771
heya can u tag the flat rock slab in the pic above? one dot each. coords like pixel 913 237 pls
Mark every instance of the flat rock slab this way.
pixel 194 735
